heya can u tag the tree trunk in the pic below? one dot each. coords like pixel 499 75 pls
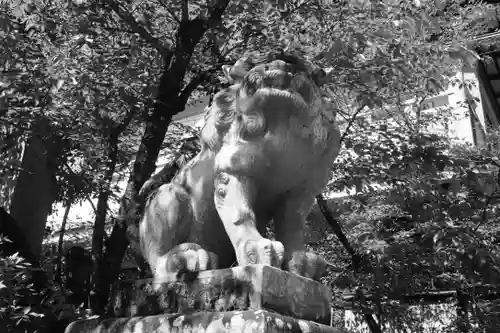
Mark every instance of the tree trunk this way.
pixel 60 243
pixel 462 311
pixel 169 101
pixel 36 188
pixel 10 228
pixel 99 232
pixel 144 165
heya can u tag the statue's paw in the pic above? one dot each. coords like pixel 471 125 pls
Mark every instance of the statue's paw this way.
pixel 308 264
pixel 184 259
pixel 262 251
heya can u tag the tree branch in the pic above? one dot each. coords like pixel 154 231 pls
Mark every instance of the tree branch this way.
pixel 137 28
pixel 235 46
pixel 217 12
pixel 355 257
pixel 118 30
pixel 418 115
pixel 288 12
pixel 334 224
pixel 167 8
pixel 185 11
pixel 86 194
pixel 351 121
pixel 192 85
pixel 126 121
pixel 370 320
pixel 488 200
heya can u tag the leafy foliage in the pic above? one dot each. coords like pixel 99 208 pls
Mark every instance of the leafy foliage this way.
pixel 23 308
pixel 424 208
pixel 419 215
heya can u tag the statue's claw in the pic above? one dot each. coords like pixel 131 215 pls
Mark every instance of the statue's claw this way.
pixel 308 264
pixel 185 258
pixel 262 251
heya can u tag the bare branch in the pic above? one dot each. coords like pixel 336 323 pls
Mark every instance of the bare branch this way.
pixel 137 28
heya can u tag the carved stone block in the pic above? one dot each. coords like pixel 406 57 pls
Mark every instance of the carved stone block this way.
pixel 251 321
pixel 238 288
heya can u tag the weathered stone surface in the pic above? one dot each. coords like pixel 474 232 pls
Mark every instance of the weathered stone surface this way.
pixel 251 321
pixel 269 140
pixel 237 288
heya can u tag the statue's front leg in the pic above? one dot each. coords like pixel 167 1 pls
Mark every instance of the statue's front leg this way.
pixel 289 222
pixel 234 198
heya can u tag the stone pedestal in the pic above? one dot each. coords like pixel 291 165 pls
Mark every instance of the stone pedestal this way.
pixel 243 299
pixel 251 321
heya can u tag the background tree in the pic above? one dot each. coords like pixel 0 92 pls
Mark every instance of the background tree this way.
pixel 110 76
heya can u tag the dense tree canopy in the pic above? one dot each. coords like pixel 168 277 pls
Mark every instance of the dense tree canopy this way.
pixel 108 76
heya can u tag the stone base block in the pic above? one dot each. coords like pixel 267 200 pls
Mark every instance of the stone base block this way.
pixel 239 288
pixel 251 321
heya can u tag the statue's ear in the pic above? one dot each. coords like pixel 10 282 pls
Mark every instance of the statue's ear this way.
pixel 237 72
pixel 227 73
pixel 322 76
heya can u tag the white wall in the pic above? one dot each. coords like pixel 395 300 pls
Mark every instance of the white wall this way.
pixel 459 124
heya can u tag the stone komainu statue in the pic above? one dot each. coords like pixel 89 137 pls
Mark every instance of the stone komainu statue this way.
pixel 266 149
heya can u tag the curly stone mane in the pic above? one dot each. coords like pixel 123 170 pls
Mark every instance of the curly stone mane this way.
pixel 257 79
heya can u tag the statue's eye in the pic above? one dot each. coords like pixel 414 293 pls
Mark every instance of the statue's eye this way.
pixel 221 192
pixel 223 178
